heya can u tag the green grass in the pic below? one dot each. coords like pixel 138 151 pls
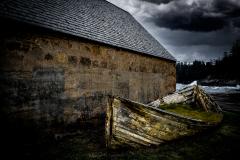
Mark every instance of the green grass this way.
pixel 192 112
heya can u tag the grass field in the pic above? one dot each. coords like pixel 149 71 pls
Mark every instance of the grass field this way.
pixel 219 143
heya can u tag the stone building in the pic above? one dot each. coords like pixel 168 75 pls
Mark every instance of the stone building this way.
pixel 60 59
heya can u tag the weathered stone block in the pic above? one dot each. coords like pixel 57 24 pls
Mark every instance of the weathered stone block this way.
pixel 53 78
pixel 48 57
pixel 85 61
pixel 72 60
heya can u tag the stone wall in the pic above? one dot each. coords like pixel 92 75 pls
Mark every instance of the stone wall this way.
pixel 55 78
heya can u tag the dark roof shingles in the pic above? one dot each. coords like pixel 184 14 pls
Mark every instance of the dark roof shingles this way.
pixel 96 20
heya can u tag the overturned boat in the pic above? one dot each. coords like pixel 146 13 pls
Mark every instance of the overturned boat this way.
pixel 183 113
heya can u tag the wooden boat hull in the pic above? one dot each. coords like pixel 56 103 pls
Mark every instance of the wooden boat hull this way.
pixel 135 124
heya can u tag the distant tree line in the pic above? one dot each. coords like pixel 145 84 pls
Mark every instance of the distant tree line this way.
pixel 227 68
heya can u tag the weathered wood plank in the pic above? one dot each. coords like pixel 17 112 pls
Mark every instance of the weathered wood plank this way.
pixel 137 124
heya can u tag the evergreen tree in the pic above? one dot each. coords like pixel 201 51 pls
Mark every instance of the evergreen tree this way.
pixel 226 68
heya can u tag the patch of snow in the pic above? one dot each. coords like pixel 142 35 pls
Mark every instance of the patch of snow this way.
pixel 213 89
pixel 222 89
pixel 180 86
pixel 193 83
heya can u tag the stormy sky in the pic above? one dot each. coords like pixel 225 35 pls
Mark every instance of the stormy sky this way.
pixel 189 29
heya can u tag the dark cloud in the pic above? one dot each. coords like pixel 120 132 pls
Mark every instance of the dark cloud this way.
pixel 186 38
pixel 188 46
pixel 230 8
pixel 189 29
pixel 193 21
pixel 236 22
pixel 158 1
pixel 201 15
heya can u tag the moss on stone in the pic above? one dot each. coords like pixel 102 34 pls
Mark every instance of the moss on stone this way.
pixel 192 112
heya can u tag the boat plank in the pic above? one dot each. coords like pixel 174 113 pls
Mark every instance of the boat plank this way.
pixel 135 124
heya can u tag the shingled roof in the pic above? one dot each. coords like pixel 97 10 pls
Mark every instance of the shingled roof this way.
pixel 96 20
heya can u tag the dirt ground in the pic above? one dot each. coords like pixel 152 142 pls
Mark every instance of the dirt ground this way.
pixel 87 142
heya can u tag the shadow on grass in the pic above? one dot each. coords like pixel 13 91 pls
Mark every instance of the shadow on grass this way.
pixel 88 143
